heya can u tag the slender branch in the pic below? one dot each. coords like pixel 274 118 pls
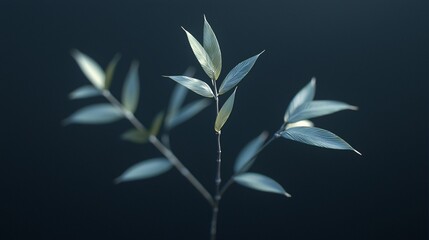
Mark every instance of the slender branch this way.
pixel 218 178
pixel 161 147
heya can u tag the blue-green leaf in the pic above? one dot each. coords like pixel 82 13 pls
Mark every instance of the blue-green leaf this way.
pixel 248 154
pixel 135 136
pixel 187 112
pixel 318 108
pixel 212 48
pixel 110 70
pixel 176 101
pixel 260 182
pixel 201 55
pixel 131 89
pixel 237 74
pixel 95 114
pixel 177 98
pixel 305 95
pixel 317 137
pixel 90 68
pixel 224 112
pixel 145 169
pixel 194 85
pixel 84 92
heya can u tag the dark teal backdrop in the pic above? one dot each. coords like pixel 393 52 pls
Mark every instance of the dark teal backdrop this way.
pixel 57 182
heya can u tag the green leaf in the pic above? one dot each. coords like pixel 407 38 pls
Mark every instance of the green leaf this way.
pixel 305 95
pixel 201 55
pixel 110 70
pixel 90 68
pixel 237 74
pixel 224 112
pixel 248 154
pixel 194 85
pixel 130 91
pixel 260 182
pixel 317 137
pixel 95 114
pixel 212 48
pixel 145 169
pixel 318 108
pixel 135 136
pixel 156 124
pixel 187 112
pixel 84 92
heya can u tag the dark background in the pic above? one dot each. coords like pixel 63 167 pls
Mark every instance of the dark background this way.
pixel 57 182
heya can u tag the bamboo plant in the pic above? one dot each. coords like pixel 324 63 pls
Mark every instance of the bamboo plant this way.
pixel 296 124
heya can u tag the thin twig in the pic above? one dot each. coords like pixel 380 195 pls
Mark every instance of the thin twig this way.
pixel 161 147
pixel 218 179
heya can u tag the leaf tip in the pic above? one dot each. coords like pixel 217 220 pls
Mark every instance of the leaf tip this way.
pixel 356 151
pixel 117 180
pixel 355 108
pixel 287 195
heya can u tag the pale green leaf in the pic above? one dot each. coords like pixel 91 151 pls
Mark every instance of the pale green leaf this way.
pixel 201 55
pixel 317 137
pixel 224 112
pixel 95 114
pixel 156 124
pixel 131 89
pixel 318 108
pixel 248 154
pixel 135 136
pixel 260 182
pixel 90 68
pixel 237 74
pixel 187 112
pixel 212 48
pixel 145 169
pixel 110 70
pixel 194 85
pixel 305 95
pixel 84 92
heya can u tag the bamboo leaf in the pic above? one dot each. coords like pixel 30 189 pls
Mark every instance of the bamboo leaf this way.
pixel 201 55
pixel 90 68
pixel 187 112
pixel 260 182
pixel 248 153
pixel 318 108
pixel 317 137
pixel 135 136
pixel 176 101
pixel 84 92
pixel 110 70
pixel 305 95
pixel 130 91
pixel 237 74
pixel 177 98
pixel 212 48
pixel 224 112
pixel 156 124
pixel 95 114
pixel 145 169
pixel 194 85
